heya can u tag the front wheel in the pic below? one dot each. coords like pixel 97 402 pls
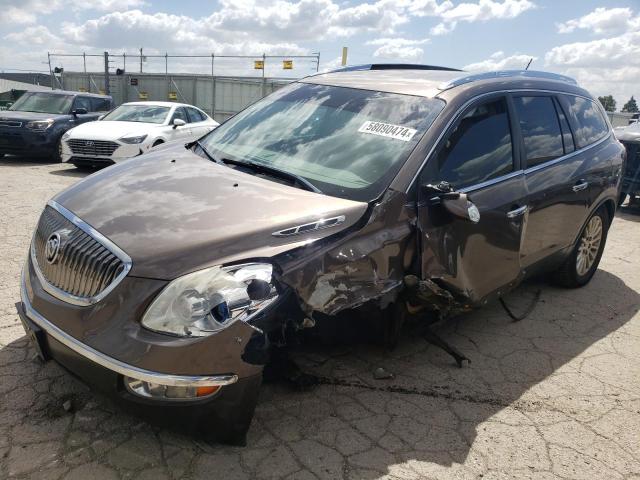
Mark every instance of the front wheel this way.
pixel 583 262
pixel 57 152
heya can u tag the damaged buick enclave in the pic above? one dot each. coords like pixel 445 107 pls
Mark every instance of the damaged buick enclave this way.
pixel 167 279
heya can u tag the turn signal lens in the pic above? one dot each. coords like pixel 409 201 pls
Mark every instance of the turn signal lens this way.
pixel 204 391
pixel 166 392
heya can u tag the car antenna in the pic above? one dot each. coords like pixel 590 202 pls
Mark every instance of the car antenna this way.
pixel 527 67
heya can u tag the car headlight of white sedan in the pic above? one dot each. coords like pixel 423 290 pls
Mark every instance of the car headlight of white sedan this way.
pixel 205 302
pixel 134 139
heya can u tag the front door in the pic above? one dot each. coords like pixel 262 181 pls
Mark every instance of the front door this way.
pixel 182 132
pixel 476 156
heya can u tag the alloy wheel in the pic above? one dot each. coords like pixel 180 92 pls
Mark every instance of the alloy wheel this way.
pixel 589 245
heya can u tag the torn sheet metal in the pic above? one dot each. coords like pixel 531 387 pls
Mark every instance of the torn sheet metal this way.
pixel 367 264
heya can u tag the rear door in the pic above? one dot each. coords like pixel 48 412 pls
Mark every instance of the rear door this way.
pixel 197 119
pixel 555 176
pixel 476 156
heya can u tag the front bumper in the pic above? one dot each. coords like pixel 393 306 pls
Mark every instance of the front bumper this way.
pixel 22 141
pixel 225 416
pixel 122 152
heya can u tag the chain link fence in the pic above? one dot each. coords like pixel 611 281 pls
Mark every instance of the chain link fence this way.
pixel 206 81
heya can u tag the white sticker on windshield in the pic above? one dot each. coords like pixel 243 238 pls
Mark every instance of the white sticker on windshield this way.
pixel 388 130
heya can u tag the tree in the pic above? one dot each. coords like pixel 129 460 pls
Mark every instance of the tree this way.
pixel 631 106
pixel 608 103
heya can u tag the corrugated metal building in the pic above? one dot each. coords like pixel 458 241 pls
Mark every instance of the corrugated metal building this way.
pixel 220 96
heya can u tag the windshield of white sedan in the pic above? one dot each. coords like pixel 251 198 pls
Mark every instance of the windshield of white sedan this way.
pixel 138 113
pixel 43 103
pixel 347 142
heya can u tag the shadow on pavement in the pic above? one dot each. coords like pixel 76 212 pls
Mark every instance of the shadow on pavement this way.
pixel 430 412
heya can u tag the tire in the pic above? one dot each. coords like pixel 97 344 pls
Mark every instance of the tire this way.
pixel 574 273
pixel 57 153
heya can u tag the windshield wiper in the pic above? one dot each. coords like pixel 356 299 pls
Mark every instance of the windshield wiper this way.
pixel 204 150
pixel 276 172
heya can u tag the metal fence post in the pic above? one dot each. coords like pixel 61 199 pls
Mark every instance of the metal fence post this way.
pixel 213 89
pixel 50 71
pixel 264 80
pixel 166 74
pixel 107 86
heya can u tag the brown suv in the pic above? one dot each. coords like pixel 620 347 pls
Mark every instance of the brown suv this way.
pixel 165 279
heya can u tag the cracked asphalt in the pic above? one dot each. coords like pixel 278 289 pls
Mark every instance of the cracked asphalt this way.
pixel 556 395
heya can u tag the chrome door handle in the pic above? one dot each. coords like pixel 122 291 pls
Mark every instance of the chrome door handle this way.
pixel 580 186
pixel 517 212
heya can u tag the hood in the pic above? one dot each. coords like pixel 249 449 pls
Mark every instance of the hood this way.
pixel 174 212
pixel 28 116
pixel 108 130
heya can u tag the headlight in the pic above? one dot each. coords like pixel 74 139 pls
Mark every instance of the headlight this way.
pixel 138 139
pixel 66 135
pixel 40 125
pixel 205 302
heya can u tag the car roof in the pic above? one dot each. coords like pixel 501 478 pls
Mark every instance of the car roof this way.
pixel 422 83
pixel 69 92
pixel 160 104
pixel 433 81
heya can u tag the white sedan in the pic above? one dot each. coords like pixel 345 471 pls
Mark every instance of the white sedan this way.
pixel 133 129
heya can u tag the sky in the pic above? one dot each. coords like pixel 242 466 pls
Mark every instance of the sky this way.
pixel 595 41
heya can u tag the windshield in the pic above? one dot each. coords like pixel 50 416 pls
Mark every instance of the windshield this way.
pixel 43 103
pixel 138 113
pixel 347 142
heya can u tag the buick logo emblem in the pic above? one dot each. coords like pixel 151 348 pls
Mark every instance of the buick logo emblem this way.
pixel 89 143
pixel 52 248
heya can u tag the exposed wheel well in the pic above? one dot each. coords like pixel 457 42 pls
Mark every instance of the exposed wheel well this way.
pixel 610 205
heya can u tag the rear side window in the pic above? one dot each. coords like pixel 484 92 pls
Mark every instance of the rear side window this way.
pixel 540 129
pixel 479 148
pixel 567 136
pixel 590 125
pixel 195 115
pixel 100 105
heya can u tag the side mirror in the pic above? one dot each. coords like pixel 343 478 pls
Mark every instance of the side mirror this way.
pixel 177 122
pixel 79 111
pixel 456 203
pixel 462 207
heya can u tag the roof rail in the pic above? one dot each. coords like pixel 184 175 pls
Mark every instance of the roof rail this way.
pixel 507 73
pixel 393 66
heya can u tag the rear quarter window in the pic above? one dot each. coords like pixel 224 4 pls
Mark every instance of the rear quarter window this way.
pixel 589 125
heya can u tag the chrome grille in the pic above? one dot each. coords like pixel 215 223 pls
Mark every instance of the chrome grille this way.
pixel 99 148
pixel 83 269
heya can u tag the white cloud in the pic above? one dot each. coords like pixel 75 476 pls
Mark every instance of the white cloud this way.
pixel 443 28
pixel 18 16
pixel 603 21
pixel 27 11
pixel 603 53
pixel 498 61
pixel 604 66
pixel 482 11
pixel 399 42
pixel 396 52
pixel 399 48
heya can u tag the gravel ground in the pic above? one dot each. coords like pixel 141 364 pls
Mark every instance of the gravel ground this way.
pixel 554 396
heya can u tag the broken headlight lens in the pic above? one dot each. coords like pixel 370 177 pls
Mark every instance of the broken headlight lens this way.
pixel 204 302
